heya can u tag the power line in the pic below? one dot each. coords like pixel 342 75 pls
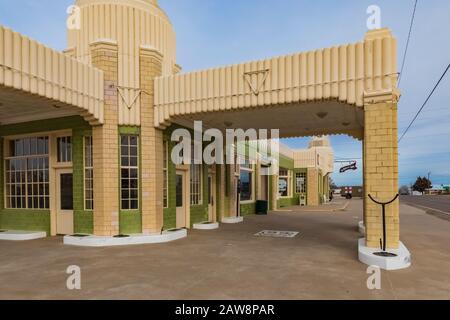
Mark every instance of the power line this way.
pixel 424 104
pixel 407 43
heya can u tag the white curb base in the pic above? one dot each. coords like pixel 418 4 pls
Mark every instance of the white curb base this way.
pixel 231 220
pixel 134 239
pixel 401 261
pixel 13 235
pixel 206 226
pixel 362 228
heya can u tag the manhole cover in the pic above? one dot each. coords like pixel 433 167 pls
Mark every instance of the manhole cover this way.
pixel 122 236
pixel 385 254
pixel 277 234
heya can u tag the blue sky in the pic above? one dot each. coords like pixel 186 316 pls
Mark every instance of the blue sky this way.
pixel 218 32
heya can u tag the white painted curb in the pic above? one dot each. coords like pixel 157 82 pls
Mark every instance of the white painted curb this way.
pixel 206 226
pixel 232 220
pixel 97 241
pixel 366 255
pixel 11 235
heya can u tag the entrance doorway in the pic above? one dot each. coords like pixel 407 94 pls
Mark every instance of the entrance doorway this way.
pixel 211 198
pixel 64 201
pixel 181 199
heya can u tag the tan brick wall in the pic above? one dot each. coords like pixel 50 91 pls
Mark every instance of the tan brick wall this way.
pixel 381 169
pixel 105 145
pixel 151 145
pixel 312 181
pixel 232 197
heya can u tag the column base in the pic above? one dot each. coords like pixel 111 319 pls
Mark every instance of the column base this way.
pixel 362 228
pixel 134 239
pixel 206 225
pixel 13 235
pixel 231 220
pixel 402 260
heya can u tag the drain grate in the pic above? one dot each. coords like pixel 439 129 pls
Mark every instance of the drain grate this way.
pixel 385 254
pixel 277 234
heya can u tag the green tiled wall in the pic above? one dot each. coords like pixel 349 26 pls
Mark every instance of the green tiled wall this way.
pixel 248 209
pixel 130 222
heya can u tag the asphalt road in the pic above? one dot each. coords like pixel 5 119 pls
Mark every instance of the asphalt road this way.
pixel 438 203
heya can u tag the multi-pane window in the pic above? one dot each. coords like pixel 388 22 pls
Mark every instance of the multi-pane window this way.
pixel 284 183
pixel 64 149
pixel 166 174
pixel 300 182
pixel 246 178
pixel 88 174
pixel 129 172
pixel 27 174
pixel 195 181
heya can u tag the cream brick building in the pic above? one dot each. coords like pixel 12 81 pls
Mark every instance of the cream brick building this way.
pixel 85 133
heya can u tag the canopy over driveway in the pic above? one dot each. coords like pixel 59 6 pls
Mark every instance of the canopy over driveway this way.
pixel 37 83
pixel 310 93
pixel 349 89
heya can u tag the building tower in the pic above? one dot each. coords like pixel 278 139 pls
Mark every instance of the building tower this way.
pixel 132 42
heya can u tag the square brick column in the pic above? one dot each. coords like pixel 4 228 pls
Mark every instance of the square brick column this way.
pixel 152 178
pixel 232 179
pixel 105 144
pixel 381 167
pixel 220 169
pixel 274 194
pixel 312 187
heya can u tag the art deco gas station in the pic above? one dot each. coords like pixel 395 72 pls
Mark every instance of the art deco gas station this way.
pixel 86 133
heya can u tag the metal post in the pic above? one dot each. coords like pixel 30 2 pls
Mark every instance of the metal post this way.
pixel 383 205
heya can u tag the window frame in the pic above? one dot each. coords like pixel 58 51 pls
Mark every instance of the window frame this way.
pixel 129 168
pixel 85 168
pixel 305 185
pixel 199 192
pixel 248 167
pixel 166 174
pixel 288 178
pixel 46 156
pixel 68 155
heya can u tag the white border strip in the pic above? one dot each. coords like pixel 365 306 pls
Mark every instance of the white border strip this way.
pixel 136 239
pixel 232 220
pixel 206 226
pixel 10 235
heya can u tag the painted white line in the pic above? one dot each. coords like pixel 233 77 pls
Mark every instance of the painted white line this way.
pixel 344 207
pixel 427 208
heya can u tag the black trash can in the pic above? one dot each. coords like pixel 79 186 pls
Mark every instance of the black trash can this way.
pixel 262 207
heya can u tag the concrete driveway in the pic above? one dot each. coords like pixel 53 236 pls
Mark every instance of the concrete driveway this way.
pixel 231 263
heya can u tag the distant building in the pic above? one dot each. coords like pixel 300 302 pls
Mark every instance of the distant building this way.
pixel 438 189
